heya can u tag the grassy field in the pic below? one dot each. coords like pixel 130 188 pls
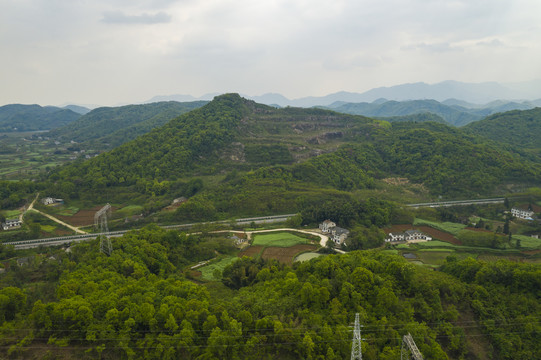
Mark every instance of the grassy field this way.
pixel 129 210
pixel 452 228
pixel 207 271
pixel 279 239
pixel 11 214
pixel 527 241
pixel 435 244
pixel 65 210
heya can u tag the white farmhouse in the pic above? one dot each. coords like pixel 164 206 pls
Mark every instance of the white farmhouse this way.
pixel 522 214
pixel 409 236
pixel 338 234
pixel 11 224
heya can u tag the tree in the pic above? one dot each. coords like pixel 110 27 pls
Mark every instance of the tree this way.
pixel 506 226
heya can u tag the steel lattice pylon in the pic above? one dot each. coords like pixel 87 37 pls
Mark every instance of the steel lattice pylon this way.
pixel 100 222
pixel 356 351
pixel 408 346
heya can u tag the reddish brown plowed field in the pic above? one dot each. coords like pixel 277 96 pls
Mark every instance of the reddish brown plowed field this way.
pixel 286 255
pixel 81 217
pixel 251 251
pixel 434 233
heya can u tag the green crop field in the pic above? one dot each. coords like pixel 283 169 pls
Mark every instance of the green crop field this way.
pixel 66 210
pixel 435 244
pixel 527 241
pixel 10 214
pixel 48 228
pixel 129 210
pixel 207 271
pixel 452 228
pixel 279 239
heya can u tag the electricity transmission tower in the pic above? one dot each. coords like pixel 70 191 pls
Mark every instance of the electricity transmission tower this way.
pixel 100 222
pixel 356 351
pixel 408 346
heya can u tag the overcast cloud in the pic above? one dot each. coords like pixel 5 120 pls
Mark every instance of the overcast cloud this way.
pixel 126 51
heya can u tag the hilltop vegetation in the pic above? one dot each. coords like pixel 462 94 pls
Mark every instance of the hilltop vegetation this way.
pixel 453 115
pixel 18 117
pixel 106 127
pixel 520 129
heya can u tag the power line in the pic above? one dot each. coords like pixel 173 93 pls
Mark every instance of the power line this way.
pixel 356 350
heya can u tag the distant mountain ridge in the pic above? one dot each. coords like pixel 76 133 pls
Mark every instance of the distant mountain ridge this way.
pixel 18 117
pixel 108 127
pixel 460 92
pixel 454 112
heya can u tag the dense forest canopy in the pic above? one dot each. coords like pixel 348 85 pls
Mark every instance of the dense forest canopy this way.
pixel 105 128
pixel 518 128
pixel 138 304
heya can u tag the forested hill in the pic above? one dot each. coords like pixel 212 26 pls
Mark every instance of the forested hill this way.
pixel 108 127
pixel 518 128
pixel 250 150
pixel 167 152
pixel 453 115
pixel 18 117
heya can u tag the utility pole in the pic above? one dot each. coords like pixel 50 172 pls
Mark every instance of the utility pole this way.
pixel 356 351
pixel 408 345
pixel 100 222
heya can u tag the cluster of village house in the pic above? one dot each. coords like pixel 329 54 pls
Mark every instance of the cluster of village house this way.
pixel 10 224
pixel 339 235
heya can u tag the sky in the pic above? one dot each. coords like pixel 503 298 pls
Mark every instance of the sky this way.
pixel 110 52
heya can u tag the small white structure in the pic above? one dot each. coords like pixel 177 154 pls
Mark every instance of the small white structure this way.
pixel 522 214
pixel 179 200
pixel 50 201
pixel 408 236
pixel 11 224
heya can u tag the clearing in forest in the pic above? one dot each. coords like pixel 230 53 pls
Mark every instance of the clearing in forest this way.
pixel 279 239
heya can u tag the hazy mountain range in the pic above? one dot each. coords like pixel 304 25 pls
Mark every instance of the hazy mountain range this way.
pixel 470 93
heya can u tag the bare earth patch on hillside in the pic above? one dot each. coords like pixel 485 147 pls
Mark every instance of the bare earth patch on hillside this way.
pixel 81 217
pixel 286 255
pixel 252 251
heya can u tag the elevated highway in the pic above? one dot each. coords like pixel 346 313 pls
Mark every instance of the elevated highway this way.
pixel 458 203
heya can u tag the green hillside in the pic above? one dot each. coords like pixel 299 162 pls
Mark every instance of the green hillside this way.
pixel 518 128
pixel 453 115
pixel 108 127
pixel 256 159
pixel 18 117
